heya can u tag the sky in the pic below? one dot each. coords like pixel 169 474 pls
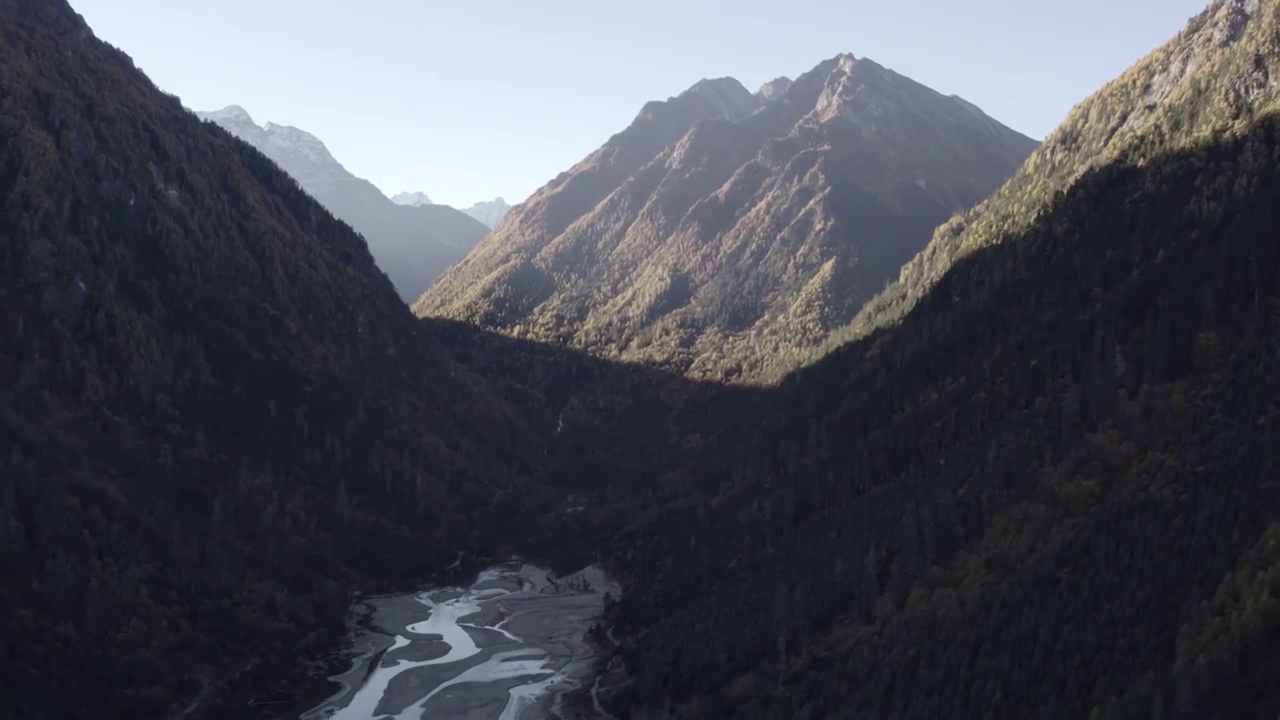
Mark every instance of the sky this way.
pixel 468 100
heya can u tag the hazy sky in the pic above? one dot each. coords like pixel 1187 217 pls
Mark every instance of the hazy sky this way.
pixel 470 99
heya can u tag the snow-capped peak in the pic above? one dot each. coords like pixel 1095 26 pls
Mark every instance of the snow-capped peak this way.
pixel 490 213
pixel 300 153
pixel 415 199
pixel 300 141
pixel 230 113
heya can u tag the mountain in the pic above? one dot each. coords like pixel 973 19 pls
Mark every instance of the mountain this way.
pixel 1041 481
pixel 217 418
pixel 725 232
pixel 490 213
pixel 1214 77
pixel 1044 488
pixel 412 198
pixel 773 89
pixel 413 244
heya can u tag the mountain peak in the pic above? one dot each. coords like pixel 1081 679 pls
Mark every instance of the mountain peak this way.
pixel 864 92
pixel 718 85
pixel 843 62
pixel 238 122
pixel 719 223
pixel 726 94
pixel 299 141
pixel 774 89
pixel 230 113
pixel 416 199
pixel 490 213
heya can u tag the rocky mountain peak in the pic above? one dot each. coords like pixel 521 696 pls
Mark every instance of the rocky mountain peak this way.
pixel 726 95
pixel 773 89
pixel 230 113
pixel 298 141
pixel 719 223
pixel 856 90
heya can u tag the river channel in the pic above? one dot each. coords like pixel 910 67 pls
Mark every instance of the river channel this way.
pixel 507 647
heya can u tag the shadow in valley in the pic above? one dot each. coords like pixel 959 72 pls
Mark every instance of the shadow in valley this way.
pixel 619 439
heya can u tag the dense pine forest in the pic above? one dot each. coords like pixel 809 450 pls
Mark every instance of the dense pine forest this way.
pixel 1037 478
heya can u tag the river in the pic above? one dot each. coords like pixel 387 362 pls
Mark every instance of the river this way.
pixel 507 647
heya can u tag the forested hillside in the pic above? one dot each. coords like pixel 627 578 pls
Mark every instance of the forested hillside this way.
pixel 1213 78
pixel 1050 491
pixel 216 416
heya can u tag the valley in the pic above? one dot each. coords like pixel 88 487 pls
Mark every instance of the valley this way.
pixel 840 398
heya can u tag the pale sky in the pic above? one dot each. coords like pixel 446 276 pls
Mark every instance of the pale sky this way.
pixel 467 100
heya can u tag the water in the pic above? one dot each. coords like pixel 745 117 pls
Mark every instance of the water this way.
pixel 507 647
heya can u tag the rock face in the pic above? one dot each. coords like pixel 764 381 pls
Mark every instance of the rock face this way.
pixel 413 242
pixel 724 232
pixel 773 89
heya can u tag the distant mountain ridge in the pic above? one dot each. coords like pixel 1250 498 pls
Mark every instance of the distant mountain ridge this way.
pixel 724 232
pixel 412 244
pixel 411 198
pixel 489 212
